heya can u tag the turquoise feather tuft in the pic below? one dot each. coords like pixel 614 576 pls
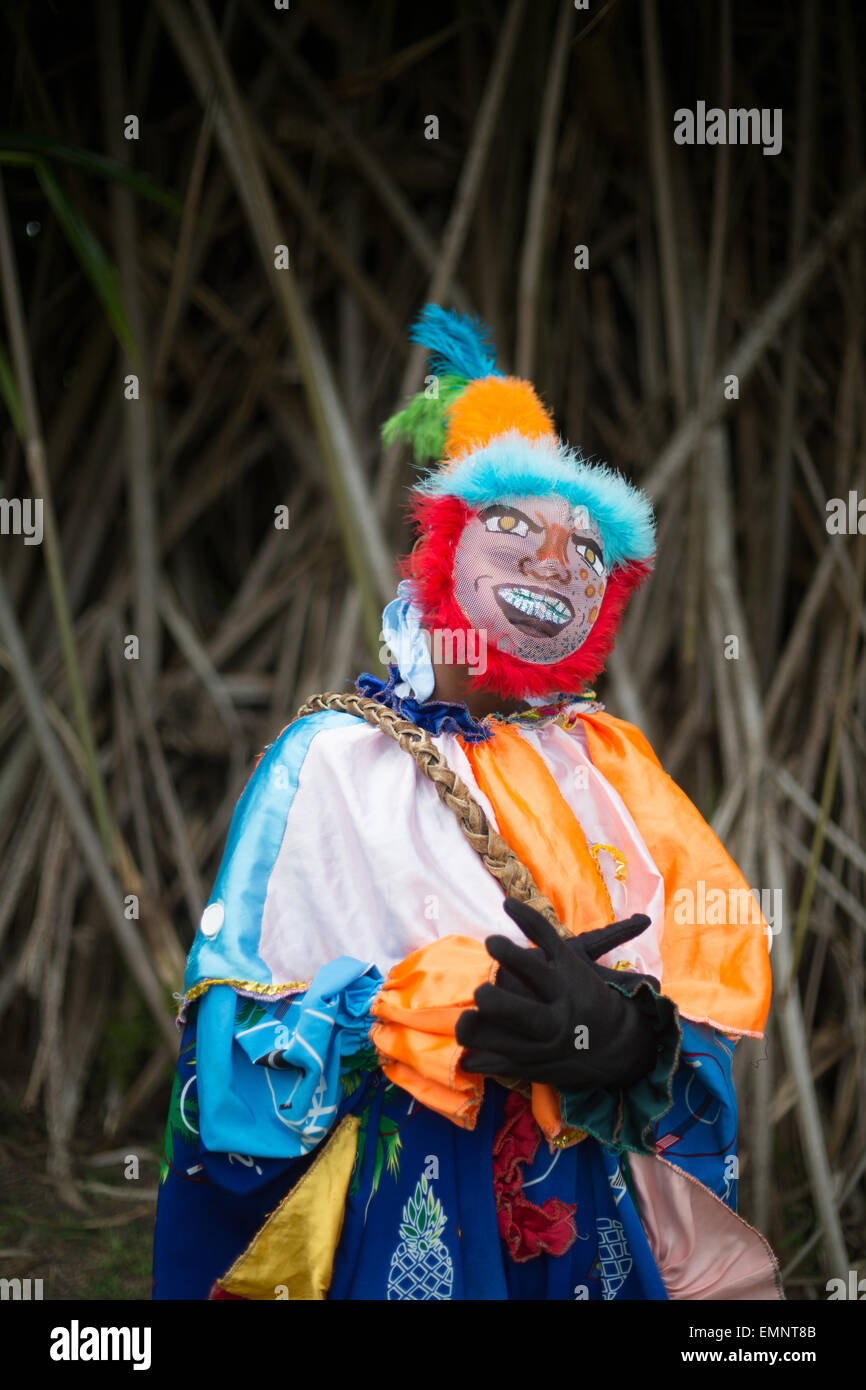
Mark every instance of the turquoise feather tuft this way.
pixel 458 344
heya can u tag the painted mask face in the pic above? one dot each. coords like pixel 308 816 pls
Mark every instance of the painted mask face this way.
pixel 530 572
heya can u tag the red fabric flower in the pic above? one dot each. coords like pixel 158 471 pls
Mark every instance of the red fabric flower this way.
pixel 528 1230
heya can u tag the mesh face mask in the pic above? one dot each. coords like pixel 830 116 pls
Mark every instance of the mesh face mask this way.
pixel 529 572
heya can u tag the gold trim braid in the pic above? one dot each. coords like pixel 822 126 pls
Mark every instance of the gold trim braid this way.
pixel 494 853
pixel 243 987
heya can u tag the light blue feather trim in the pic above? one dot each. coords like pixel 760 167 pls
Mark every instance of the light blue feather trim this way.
pixel 514 465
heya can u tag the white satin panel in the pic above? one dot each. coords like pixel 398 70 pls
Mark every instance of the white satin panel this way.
pixel 605 819
pixel 372 865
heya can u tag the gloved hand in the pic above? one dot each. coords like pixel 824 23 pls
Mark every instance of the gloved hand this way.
pixel 526 1024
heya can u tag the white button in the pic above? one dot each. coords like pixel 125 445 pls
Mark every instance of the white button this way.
pixel 212 919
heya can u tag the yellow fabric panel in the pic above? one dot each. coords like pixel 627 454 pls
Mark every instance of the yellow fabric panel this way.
pixel 295 1248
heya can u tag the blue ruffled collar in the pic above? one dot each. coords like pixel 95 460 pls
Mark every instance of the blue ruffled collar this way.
pixel 434 716
pixel 443 717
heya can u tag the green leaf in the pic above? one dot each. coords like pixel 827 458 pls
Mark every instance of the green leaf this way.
pixel 355 1185
pixel 377 1165
pixel 10 393
pixel 393 1145
pixel 249 1013
pixel 93 260
pixel 354 1067
pixel 25 147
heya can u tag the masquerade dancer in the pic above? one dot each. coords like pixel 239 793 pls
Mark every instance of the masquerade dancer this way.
pixel 460 1014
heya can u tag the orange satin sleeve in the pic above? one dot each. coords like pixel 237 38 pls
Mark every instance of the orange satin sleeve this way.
pixel 416 1013
pixel 717 973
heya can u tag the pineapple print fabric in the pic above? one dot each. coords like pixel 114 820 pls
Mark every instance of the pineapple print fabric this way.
pixel 421 1267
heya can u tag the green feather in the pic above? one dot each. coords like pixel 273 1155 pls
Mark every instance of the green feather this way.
pixel 422 424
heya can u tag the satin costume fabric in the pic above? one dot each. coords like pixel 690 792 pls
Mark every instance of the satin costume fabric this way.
pixel 341 862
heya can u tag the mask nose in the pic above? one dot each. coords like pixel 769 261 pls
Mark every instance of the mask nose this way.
pixel 550 559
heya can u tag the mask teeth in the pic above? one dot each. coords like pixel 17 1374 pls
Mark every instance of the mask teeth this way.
pixel 527 602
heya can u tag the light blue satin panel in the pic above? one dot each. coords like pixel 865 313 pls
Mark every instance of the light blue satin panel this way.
pixel 255 835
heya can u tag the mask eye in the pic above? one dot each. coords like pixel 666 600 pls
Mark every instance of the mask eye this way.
pixel 507 524
pixel 591 555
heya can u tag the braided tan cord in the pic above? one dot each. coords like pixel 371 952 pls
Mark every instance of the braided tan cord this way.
pixel 495 854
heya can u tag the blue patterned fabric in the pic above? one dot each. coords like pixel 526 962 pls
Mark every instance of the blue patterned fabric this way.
pixel 212 1202
pixel 271 1083
pixel 699 1132
pixel 381 1257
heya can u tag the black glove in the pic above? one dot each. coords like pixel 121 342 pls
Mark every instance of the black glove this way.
pixel 526 1024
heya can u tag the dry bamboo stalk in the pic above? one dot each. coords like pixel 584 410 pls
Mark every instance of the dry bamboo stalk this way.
pixel 832 766
pixel 721 568
pixel 23 849
pixel 364 545
pixel 539 192
pixel 182 262
pixel 320 231
pixel 155 1071
pixel 193 889
pixel 138 421
pixel 362 157
pixel 753 344
pixel 50 936
pixel 457 227
pixel 37 469
pixel 671 272
pixel 88 842
pixel 800 194
pixel 823 877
